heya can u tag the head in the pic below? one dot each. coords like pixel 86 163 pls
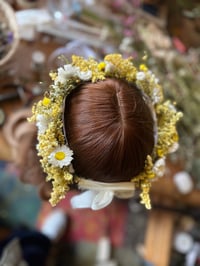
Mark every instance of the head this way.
pixel 110 128
pixel 106 129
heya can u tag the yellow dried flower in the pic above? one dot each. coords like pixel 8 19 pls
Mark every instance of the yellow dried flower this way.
pixel 143 67
pixel 53 75
pixel 46 101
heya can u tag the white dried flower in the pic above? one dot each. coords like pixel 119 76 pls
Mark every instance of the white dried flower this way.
pixel 174 147
pixel 66 72
pixel 85 75
pixel 140 75
pixel 41 123
pixel 109 68
pixel 159 167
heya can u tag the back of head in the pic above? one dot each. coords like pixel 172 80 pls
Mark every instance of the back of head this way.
pixel 106 129
pixel 110 128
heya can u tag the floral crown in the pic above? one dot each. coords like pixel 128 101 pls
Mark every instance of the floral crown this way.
pixel 56 157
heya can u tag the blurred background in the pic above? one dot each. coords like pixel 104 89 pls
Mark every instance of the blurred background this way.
pixel 34 34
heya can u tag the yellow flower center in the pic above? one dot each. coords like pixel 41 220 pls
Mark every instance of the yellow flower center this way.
pixel 60 155
pixel 143 67
pixel 101 66
pixel 46 101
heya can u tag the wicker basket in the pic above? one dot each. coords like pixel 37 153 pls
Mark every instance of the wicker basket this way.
pixel 8 19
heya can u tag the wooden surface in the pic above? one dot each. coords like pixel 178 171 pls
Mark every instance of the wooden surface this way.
pixel 158 237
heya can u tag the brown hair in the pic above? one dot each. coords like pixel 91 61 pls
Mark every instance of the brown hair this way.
pixel 109 127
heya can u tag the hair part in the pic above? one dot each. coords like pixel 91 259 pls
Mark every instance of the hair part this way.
pixel 110 128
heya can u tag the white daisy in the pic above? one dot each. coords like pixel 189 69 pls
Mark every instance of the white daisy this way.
pixel 41 123
pixel 140 75
pixel 85 75
pixel 61 156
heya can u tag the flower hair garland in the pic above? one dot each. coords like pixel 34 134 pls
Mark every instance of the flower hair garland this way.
pixel 56 157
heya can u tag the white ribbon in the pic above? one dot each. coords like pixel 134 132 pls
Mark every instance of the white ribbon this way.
pixel 99 194
pixel 92 199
